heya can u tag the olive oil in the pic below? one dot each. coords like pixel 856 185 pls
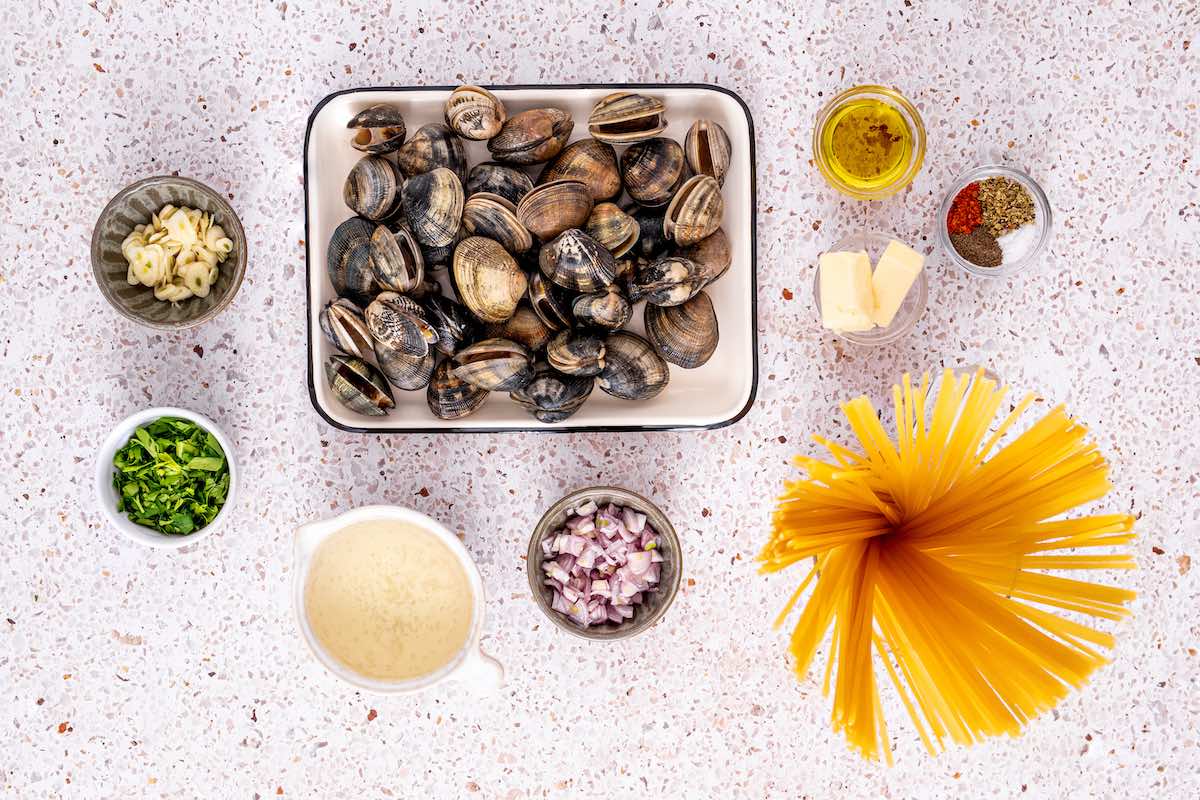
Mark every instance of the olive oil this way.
pixel 867 144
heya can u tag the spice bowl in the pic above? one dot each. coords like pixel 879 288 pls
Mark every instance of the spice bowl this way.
pixel 106 493
pixel 133 206
pixel 654 605
pixel 898 175
pixel 911 309
pixel 1039 234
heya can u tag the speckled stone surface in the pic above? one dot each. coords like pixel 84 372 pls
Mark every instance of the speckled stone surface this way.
pixel 126 672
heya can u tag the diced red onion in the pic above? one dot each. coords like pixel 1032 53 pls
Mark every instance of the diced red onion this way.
pixel 638 562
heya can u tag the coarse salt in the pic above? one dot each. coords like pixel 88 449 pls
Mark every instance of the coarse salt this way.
pixel 1016 244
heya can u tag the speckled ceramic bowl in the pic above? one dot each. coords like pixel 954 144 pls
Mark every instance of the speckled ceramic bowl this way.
pixel 655 603
pixel 134 205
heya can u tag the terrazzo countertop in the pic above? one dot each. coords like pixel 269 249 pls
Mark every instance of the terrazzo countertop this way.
pixel 127 672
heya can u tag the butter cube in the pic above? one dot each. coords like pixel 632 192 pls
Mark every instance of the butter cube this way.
pixel 846 299
pixel 898 267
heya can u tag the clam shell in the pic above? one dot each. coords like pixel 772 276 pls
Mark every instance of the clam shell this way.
pixel 577 262
pixel 588 160
pixel 613 228
pixel 686 334
pixel 607 309
pixel 488 279
pixel 496 365
pixel 399 323
pixel 712 254
pixel 695 211
pixel 632 369
pixel 552 396
pixel 433 203
pixel 509 182
pixel 669 281
pixel 651 242
pixel 653 170
pixel 495 217
pixel 372 189
pixel 548 302
pixel 348 260
pixel 707 149
pixel 553 207
pixel 532 137
pixel 378 129
pixel 474 113
pixel 450 397
pixel 575 353
pixel 343 325
pixel 454 323
pixel 525 327
pixel 404 371
pixel 626 117
pixel 431 147
pixel 396 257
pixel 358 386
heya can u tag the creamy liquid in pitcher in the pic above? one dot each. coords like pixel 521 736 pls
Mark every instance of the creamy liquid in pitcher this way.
pixel 389 600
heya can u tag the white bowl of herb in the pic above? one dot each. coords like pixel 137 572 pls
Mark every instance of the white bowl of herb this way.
pixel 166 477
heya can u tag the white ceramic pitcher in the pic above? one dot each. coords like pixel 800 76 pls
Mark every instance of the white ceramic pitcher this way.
pixel 470 666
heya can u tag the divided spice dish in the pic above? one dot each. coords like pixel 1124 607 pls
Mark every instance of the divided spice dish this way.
pixel 717 393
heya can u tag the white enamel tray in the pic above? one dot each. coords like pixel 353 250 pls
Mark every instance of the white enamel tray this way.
pixel 716 394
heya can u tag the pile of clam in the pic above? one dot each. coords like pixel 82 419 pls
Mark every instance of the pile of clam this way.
pixel 545 274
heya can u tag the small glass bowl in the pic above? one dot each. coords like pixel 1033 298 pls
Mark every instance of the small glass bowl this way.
pixel 1043 220
pixel 902 106
pixel 874 243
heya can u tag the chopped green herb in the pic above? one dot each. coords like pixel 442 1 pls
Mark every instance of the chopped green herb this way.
pixel 171 476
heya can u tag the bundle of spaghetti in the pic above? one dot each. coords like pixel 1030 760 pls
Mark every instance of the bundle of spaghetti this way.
pixel 929 555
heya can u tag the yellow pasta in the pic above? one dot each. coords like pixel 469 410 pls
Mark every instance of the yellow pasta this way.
pixel 929 555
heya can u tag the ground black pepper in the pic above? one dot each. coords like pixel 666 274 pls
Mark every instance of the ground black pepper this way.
pixel 979 247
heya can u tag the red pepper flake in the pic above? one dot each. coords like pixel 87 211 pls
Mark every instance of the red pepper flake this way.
pixel 371 715
pixel 278 790
pixel 965 212
pixel 63 727
pixel 787 294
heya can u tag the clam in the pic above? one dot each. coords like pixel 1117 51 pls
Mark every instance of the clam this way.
pixel 552 208
pixel 377 130
pixel 496 365
pixel 343 325
pixel 488 280
pixel 396 258
pixel 495 217
pixel 372 189
pixel 449 396
pixel 577 262
pixel 532 137
pixel 349 258
pixel 399 323
pixel 711 254
pixel 552 396
pixel 607 309
pixel 707 149
pixel 509 182
pixel 576 353
pixel 431 147
pixel 668 281
pixel 454 323
pixel 695 211
pixel 613 228
pixel 358 386
pixel 651 242
pixel 433 202
pixel 404 371
pixel 524 327
pixel 653 170
pixel 439 257
pixel 474 113
pixel 588 160
pixel 685 334
pixel 548 302
pixel 632 369
pixel 626 117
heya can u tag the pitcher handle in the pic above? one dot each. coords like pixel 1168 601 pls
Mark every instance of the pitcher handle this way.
pixel 480 672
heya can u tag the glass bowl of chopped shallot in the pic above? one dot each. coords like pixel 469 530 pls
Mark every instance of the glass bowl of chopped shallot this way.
pixel 604 563
pixel 994 222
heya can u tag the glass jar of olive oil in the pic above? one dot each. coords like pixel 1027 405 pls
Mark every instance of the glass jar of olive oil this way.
pixel 869 142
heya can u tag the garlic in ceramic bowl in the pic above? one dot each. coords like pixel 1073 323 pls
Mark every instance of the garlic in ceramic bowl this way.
pixel 177 253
